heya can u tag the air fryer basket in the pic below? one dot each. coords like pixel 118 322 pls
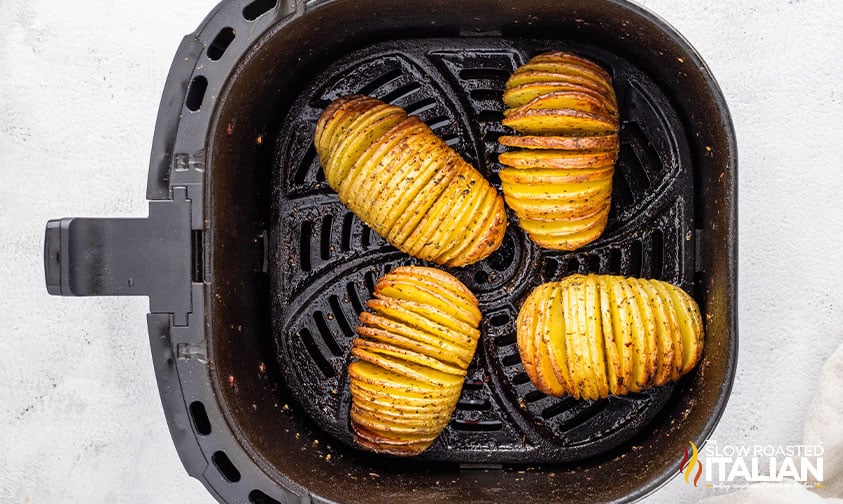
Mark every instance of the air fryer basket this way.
pixel 256 272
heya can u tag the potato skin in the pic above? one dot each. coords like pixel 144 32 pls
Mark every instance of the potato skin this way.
pixel 565 109
pixel 412 354
pixel 606 334
pixel 407 184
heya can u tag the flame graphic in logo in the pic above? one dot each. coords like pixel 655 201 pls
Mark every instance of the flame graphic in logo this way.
pixel 687 466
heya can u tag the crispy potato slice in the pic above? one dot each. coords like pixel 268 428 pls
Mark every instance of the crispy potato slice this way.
pixel 566 57
pixel 473 220
pixel 575 143
pixel 407 368
pixel 363 372
pixel 578 359
pixel 384 443
pixel 377 155
pixel 491 235
pixel 547 381
pixel 525 324
pixel 338 113
pixel 594 328
pixel 422 293
pixel 570 68
pixel 519 96
pixel 556 175
pixel 614 371
pixel 560 122
pixel 442 237
pixel 571 241
pixel 369 127
pixel 381 187
pixel 564 227
pixel 460 349
pixel 379 423
pixel 555 341
pixel 673 322
pixel 546 191
pixel 445 171
pixel 425 236
pixel 559 159
pixel 552 210
pixel 690 324
pixel 383 397
pixel 622 322
pixel 432 360
pixel 447 355
pixel 663 334
pixel 402 415
pixel 451 288
pixel 411 192
pixel 401 312
pixel 644 340
pixel 523 77
pixel 559 100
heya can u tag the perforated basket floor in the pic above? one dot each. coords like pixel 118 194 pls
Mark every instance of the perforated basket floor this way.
pixel 329 260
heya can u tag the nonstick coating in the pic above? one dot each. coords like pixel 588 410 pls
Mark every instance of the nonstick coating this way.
pixel 278 444
pixel 326 260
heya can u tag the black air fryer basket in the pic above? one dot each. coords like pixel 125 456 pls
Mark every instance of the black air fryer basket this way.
pixel 256 272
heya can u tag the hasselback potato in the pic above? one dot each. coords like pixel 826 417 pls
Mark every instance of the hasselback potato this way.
pixel 412 354
pixel 595 335
pixel 407 184
pixel 559 181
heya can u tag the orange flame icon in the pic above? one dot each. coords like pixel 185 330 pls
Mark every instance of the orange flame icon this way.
pixel 689 462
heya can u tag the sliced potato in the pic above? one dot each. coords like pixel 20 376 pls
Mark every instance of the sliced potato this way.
pixel 592 73
pixel 555 341
pixel 410 366
pixel 384 329
pixel 424 292
pixel 559 122
pixel 663 334
pixel 673 322
pixel 561 159
pixel 377 155
pixel 472 220
pixel 613 335
pixel 518 96
pixel 552 210
pixel 491 235
pixel 526 326
pixel 566 57
pixel 562 227
pixel 524 77
pixel 364 131
pixel 545 373
pixel 575 143
pixel 560 100
pixel 554 176
pixel 395 174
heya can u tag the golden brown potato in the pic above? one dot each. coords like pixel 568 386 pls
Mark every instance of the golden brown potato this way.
pixel 589 336
pixel 412 353
pixel 566 110
pixel 407 184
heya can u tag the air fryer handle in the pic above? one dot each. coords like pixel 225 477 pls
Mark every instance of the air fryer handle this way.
pixel 124 257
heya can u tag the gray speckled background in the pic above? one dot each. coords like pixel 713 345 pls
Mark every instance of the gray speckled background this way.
pixel 79 89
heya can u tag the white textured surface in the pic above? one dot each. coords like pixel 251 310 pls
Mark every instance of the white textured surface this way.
pixel 79 88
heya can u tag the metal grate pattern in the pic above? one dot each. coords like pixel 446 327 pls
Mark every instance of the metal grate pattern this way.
pixel 331 260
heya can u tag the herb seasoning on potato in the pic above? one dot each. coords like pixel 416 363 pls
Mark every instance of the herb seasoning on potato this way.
pixel 407 184
pixel 412 353
pixel 589 336
pixel 559 182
